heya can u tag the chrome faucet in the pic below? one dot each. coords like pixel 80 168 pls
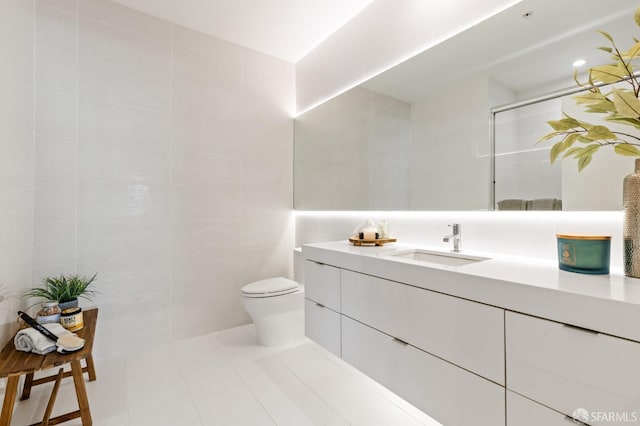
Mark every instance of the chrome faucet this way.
pixel 456 237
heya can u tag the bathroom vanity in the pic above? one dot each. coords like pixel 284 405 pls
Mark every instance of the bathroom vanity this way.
pixel 477 339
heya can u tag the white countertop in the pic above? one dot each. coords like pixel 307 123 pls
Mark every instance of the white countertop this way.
pixel 605 303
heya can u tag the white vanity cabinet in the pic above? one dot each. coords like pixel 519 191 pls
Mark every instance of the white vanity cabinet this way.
pixel 522 411
pixel 322 305
pixel 430 348
pixel 567 368
pixel 468 334
pixel 481 344
pixel 444 391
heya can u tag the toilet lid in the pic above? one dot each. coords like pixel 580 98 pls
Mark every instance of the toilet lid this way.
pixel 270 287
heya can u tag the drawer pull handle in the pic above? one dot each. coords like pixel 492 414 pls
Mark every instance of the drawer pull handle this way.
pixel 584 330
pixel 401 342
pixel 575 421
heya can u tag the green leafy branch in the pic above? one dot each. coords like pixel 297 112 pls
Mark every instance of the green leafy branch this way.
pixel 619 106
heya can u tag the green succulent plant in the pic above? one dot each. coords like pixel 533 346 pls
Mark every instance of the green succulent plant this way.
pixel 64 288
pixel 618 105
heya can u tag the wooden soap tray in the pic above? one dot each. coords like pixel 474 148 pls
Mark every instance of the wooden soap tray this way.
pixel 377 242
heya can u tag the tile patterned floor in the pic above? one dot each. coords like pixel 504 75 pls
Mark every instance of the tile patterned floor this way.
pixel 225 378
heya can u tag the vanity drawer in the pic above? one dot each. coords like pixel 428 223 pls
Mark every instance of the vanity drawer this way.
pixel 447 393
pixel 322 284
pixel 465 333
pixel 524 412
pixel 566 368
pixel 322 325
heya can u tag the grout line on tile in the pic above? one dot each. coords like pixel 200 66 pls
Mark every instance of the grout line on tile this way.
pixel 77 136
pixel 184 379
pixel 34 48
pixel 224 353
pixel 312 390
pixel 170 195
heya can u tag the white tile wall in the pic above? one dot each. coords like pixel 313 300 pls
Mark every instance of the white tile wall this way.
pixel 16 156
pixel 55 199
pixel 155 155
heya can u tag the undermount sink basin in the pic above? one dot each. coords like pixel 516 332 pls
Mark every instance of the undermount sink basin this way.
pixel 442 258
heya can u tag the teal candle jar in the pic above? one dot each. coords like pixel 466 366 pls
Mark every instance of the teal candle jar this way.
pixel 585 254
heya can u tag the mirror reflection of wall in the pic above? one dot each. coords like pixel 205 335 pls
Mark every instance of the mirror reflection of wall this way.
pixel 351 153
pixel 366 151
pixel 418 136
pixel 450 160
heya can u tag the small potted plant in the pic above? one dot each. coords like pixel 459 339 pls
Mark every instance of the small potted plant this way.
pixel 66 289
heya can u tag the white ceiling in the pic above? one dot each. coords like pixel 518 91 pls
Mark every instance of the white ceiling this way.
pixel 286 29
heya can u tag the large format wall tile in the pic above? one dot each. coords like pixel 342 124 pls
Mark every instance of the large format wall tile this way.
pixel 154 155
pixel 55 130
pixel 122 67
pixel 124 149
pixel 16 157
pixel 232 153
pixel 56 47
pixel 136 127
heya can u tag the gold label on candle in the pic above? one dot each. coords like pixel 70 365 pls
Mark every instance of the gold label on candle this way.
pixel 568 253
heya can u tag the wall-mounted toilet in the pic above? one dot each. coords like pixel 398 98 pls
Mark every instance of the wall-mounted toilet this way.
pixel 276 306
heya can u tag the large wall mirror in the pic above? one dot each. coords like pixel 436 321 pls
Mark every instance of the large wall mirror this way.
pixel 419 136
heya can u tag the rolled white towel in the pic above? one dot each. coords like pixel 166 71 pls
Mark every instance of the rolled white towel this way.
pixel 31 340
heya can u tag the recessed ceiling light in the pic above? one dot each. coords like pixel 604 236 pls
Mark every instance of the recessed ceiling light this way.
pixel 579 63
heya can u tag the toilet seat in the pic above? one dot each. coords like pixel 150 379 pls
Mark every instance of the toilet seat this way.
pixel 270 287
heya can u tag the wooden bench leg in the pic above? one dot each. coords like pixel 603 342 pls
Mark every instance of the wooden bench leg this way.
pixel 81 393
pixel 9 399
pixel 26 388
pixel 52 400
pixel 91 368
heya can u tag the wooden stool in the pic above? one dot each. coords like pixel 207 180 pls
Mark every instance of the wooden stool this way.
pixel 14 363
